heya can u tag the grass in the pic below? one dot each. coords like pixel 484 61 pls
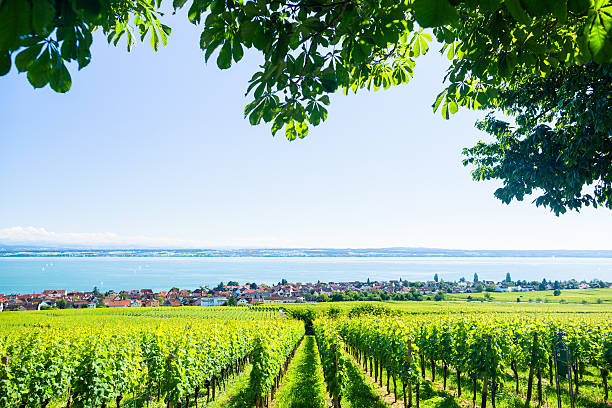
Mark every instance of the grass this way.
pixel 430 396
pixel 303 385
pixel 359 392
pixel 590 391
pixel 575 296
pixel 236 394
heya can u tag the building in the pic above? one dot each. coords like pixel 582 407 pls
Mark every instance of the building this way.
pixel 151 303
pixel 173 302
pixel 55 293
pixel 211 301
pixel 118 303
pixel 83 304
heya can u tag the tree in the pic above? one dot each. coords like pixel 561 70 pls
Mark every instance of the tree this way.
pixel 220 286
pixel 475 277
pixel 283 282
pixel 253 285
pixel 232 301
pixel 557 292
pixel 559 146
pixel 436 277
pixel 232 283
pixel 95 291
pixel 61 304
pixel 312 48
pixel 479 287
pixel 508 279
pixel 439 296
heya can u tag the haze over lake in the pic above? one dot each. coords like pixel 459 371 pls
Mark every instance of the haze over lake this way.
pixel 33 274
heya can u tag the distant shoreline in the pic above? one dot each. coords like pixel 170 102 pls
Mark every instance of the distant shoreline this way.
pixel 9 252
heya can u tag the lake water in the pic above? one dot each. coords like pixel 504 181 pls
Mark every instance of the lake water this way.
pixel 33 274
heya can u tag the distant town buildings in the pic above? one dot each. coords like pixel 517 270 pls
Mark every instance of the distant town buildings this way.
pixel 283 292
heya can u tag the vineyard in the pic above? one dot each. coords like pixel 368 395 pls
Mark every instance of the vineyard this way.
pixel 353 356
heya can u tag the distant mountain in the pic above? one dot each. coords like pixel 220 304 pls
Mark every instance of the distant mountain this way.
pixel 28 251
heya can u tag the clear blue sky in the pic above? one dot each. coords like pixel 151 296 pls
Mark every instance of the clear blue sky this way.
pixel 152 149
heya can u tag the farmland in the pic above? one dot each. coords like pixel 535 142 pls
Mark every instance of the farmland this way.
pixel 344 354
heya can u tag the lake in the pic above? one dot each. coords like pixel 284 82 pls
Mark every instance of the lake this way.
pixel 33 274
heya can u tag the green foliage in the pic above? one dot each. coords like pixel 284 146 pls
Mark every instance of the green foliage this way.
pixel 333 358
pixel 270 353
pixel 439 296
pixel 559 147
pixel 304 385
pixel 44 36
pixel 106 356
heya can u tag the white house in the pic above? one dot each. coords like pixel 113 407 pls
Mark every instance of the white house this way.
pixel 211 301
pixel 44 303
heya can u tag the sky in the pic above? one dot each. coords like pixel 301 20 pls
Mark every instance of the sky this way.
pixel 152 150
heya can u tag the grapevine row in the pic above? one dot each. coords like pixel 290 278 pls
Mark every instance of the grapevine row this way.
pixel 485 348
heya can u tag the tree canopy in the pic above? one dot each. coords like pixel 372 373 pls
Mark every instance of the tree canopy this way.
pixel 498 49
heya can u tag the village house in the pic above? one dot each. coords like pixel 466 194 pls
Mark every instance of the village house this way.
pixel 82 304
pixel 151 303
pixel 211 301
pixel 55 293
pixel 173 302
pixel 118 303
pixel 46 304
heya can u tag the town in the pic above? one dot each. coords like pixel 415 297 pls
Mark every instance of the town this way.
pixel 234 294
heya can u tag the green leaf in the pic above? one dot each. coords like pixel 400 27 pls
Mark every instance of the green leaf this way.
pixel 224 60
pixel 516 10
pixel 301 129
pixel 38 74
pixel 444 112
pixel 154 39
pixel 450 54
pixel 194 12
pixel 43 14
pixel 90 7
pixel 177 4
pixel 439 99
pixel 489 5
pixel 59 79
pixel 434 13
pixel 416 48
pixel 599 32
pixel 15 16
pixel 290 132
pixel 5 62
pixel 278 124
pixel 579 7
pixel 25 58
pixel 237 50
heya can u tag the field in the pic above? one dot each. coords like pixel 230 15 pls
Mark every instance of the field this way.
pixel 346 354
pixel 578 296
